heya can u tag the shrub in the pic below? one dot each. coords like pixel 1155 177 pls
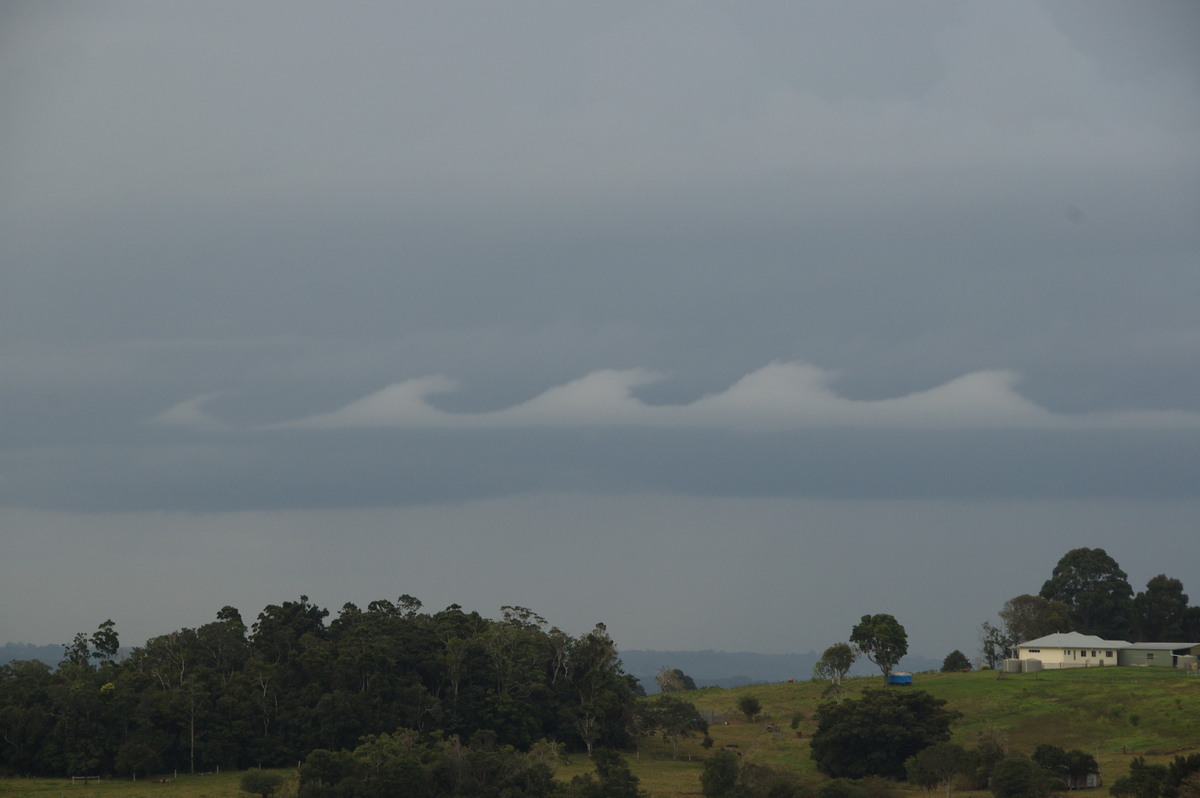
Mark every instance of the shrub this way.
pixel 1018 776
pixel 841 788
pixel 749 706
pixel 261 783
pixel 720 775
pixel 874 735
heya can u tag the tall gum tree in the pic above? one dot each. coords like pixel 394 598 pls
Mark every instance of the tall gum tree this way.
pixel 1096 591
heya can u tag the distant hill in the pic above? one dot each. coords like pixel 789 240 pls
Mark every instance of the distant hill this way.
pixel 708 668
pixel 736 668
pixel 51 655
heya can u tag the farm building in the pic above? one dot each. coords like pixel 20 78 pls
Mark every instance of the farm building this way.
pixel 1075 650
pixel 1071 650
pixel 1158 655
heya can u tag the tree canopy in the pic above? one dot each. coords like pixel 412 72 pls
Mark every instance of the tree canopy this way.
pixel 937 766
pixel 1096 592
pixel 222 695
pixel 1027 617
pixel 672 717
pixel 875 735
pixel 261 783
pixel 833 665
pixel 1161 611
pixel 882 640
pixel 956 661
pixel 673 680
pixel 1018 776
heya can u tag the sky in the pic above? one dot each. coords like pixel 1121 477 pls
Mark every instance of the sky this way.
pixel 721 324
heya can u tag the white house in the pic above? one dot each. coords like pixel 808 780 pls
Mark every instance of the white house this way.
pixel 1071 650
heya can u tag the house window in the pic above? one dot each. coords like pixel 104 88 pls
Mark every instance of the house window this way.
pixel 1035 651
pixel 1108 654
pixel 1093 653
pixel 1150 655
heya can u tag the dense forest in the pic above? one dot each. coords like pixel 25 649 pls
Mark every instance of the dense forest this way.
pixel 227 696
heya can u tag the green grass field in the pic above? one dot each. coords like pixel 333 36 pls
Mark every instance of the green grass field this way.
pixel 1112 713
pixel 224 785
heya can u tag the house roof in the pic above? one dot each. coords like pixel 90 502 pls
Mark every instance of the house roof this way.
pixel 1073 640
pixel 1161 646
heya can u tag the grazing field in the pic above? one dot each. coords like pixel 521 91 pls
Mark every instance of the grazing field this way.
pixel 1112 713
pixel 224 785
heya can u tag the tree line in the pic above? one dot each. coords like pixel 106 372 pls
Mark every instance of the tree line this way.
pixel 1087 592
pixel 225 695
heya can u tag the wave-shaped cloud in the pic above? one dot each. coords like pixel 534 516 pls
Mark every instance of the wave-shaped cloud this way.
pixel 779 396
pixel 191 413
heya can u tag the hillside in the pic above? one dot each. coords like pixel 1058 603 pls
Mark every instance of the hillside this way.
pixel 49 654
pixel 1112 713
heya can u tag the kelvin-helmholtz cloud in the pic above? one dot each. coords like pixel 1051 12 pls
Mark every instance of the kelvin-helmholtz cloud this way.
pixel 780 396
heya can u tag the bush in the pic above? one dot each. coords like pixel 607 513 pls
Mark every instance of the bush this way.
pixel 260 782
pixel 720 775
pixel 613 779
pixel 726 776
pixel 841 788
pixel 749 706
pixel 874 735
pixel 1018 776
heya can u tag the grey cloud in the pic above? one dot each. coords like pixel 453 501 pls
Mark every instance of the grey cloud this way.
pixel 803 571
pixel 348 468
pixel 776 397
pixel 226 216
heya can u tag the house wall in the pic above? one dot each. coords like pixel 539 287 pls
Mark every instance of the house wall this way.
pixel 1051 657
pixel 1159 658
pixel 1057 658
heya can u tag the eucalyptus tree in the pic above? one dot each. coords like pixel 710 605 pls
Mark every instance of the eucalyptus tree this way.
pixel 882 640
pixel 1096 592
pixel 833 665
pixel 1161 610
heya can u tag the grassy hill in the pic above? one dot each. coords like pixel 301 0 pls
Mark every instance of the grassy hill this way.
pixel 1112 713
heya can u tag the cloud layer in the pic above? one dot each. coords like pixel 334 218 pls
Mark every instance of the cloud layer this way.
pixel 780 396
pixel 431 257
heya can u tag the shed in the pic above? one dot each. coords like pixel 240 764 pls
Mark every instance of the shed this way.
pixel 1156 655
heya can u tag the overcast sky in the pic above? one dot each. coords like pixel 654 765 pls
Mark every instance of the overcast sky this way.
pixel 723 324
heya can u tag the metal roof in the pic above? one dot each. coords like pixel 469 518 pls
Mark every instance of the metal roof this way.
pixel 1073 640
